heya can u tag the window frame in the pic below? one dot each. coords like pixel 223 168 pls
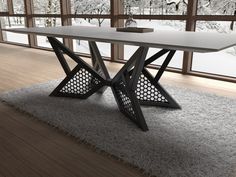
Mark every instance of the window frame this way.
pixel 117 18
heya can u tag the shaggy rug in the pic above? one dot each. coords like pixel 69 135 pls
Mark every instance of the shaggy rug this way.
pixel 197 141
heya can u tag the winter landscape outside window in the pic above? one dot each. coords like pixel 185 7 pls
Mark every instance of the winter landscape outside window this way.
pixel 97 7
pixel 177 15
pixel 216 7
pixel 46 7
pixel 223 62
pixel 155 7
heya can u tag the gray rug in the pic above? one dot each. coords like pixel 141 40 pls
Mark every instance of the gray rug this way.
pixel 197 141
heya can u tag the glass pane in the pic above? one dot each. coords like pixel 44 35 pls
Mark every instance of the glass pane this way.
pixel 82 46
pixel 3 6
pixel 14 22
pixel 42 41
pixel 90 7
pixel 177 60
pixel 223 62
pixel 155 7
pixel 18 6
pixel 208 7
pixel 46 7
pixel 47 22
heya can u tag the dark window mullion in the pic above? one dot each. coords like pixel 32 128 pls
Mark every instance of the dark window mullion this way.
pixel 10 7
pixel 190 26
pixel 65 21
pixel 29 21
pixel 117 50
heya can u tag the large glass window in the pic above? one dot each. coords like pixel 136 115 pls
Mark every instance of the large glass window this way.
pixel 221 63
pixel 155 7
pixel 97 7
pixel 14 22
pixel 46 6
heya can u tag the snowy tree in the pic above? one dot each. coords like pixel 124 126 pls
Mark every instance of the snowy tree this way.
pixel 19 6
pixel 180 6
pixel 225 7
pixel 3 5
pixel 92 7
pixel 128 4
pixel 217 7
pixel 47 7
pixel 152 7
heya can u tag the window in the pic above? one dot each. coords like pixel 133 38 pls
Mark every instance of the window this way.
pixel 221 63
pixel 14 22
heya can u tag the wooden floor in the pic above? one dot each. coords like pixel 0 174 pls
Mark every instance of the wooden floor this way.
pixel 29 148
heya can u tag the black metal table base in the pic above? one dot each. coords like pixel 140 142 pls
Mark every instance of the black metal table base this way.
pixel 132 85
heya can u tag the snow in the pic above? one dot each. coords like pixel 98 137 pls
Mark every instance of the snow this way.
pixel 221 63
pixel 173 1
pixel 15 37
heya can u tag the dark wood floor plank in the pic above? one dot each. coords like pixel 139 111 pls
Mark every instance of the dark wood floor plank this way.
pixel 1 175
pixel 30 162
pixel 6 161
pixel 67 156
pixel 12 163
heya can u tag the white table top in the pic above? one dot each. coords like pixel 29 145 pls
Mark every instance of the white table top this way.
pixel 175 40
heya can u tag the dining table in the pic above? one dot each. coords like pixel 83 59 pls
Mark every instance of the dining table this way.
pixel 133 85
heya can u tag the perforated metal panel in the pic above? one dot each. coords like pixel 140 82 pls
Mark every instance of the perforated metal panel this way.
pixel 123 99
pixel 81 83
pixel 147 92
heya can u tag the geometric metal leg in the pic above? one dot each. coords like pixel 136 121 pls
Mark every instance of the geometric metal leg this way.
pixel 149 91
pixel 129 105
pixel 124 86
pixel 82 81
pixel 98 63
pixel 132 85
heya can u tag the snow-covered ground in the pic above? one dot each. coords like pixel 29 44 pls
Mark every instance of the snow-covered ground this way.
pixel 223 62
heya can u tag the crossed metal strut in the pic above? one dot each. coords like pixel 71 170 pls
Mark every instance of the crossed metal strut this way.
pixel 132 85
